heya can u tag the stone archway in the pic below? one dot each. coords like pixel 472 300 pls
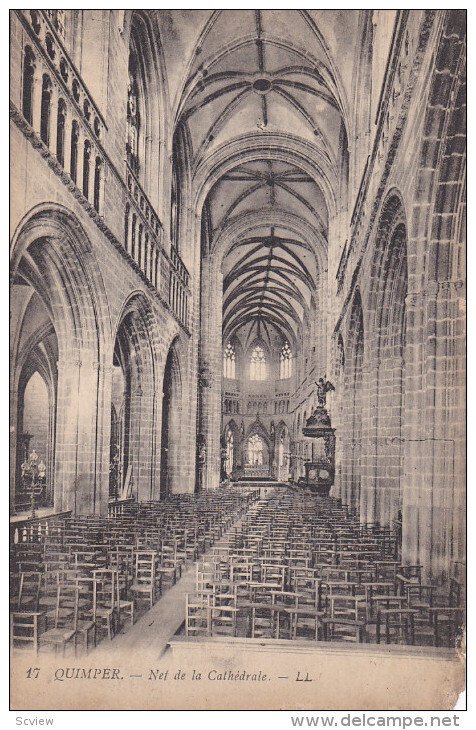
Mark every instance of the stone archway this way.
pixel 135 398
pixel 257 452
pixel 52 261
pixel 381 497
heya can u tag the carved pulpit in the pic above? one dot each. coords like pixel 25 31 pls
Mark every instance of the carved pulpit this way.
pixel 320 471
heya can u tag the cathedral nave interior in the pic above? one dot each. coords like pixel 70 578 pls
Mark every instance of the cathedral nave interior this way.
pixel 237 327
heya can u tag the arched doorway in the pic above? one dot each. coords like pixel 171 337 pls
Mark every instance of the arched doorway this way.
pixel 36 423
pixel 34 390
pixel 256 456
pixel 120 476
pixel 58 328
pixel 134 404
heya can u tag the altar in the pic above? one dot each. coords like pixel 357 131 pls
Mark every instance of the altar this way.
pixel 257 471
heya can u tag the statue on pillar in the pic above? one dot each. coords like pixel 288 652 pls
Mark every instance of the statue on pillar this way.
pixel 323 387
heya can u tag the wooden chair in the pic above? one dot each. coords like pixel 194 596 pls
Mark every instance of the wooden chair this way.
pixel 407 575
pixel 106 599
pixel 49 588
pixel 224 610
pixel 447 623
pixel 209 572
pixel 64 628
pixel 421 597
pixel 273 573
pixel 122 559
pixel 344 619
pixel 86 621
pixel 169 563
pixel 125 606
pixel 307 616
pixel 398 623
pixel 146 582
pixel 198 613
pixel 377 592
pixel 286 605
pixel 25 629
pixel 26 587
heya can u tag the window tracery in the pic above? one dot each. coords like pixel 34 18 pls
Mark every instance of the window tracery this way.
pixel 258 364
pixel 285 361
pixel 229 361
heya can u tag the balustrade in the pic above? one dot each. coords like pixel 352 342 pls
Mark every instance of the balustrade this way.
pixel 59 108
pixel 68 127
pixel 179 287
pixel 143 232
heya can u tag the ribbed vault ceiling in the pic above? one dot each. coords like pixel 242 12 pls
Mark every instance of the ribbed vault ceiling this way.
pixel 253 71
pixel 269 278
pixel 257 74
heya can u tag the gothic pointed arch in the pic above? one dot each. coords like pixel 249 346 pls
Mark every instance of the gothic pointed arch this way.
pixel 382 494
pixel 134 385
pixel 62 318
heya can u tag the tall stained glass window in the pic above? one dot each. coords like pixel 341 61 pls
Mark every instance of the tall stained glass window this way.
pixel 255 450
pixel 258 364
pixel 229 361
pixel 285 361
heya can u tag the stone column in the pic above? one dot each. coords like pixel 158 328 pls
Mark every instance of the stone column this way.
pixel 368 467
pixel 78 486
pixel 434 438
pixel 211 368
pixel 79 173
pixel 13 443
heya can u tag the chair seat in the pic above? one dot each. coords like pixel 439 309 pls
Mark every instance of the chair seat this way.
pixel 141 588
pixel 104 612
pixel 405 611
pixel 446 613
pixel 57 635
pixel 343 621
pixel 305 611
pixel 85 625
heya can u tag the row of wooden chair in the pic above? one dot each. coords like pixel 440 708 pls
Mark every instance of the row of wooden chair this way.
pixel 287 572
pixel 86 573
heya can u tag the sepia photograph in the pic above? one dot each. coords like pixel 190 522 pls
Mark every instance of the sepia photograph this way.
pixel 237 359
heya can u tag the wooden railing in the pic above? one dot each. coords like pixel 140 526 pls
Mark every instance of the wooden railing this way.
pixel 118 507
pixel 27 529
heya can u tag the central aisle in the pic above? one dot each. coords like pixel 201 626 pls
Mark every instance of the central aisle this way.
pixel 154 629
